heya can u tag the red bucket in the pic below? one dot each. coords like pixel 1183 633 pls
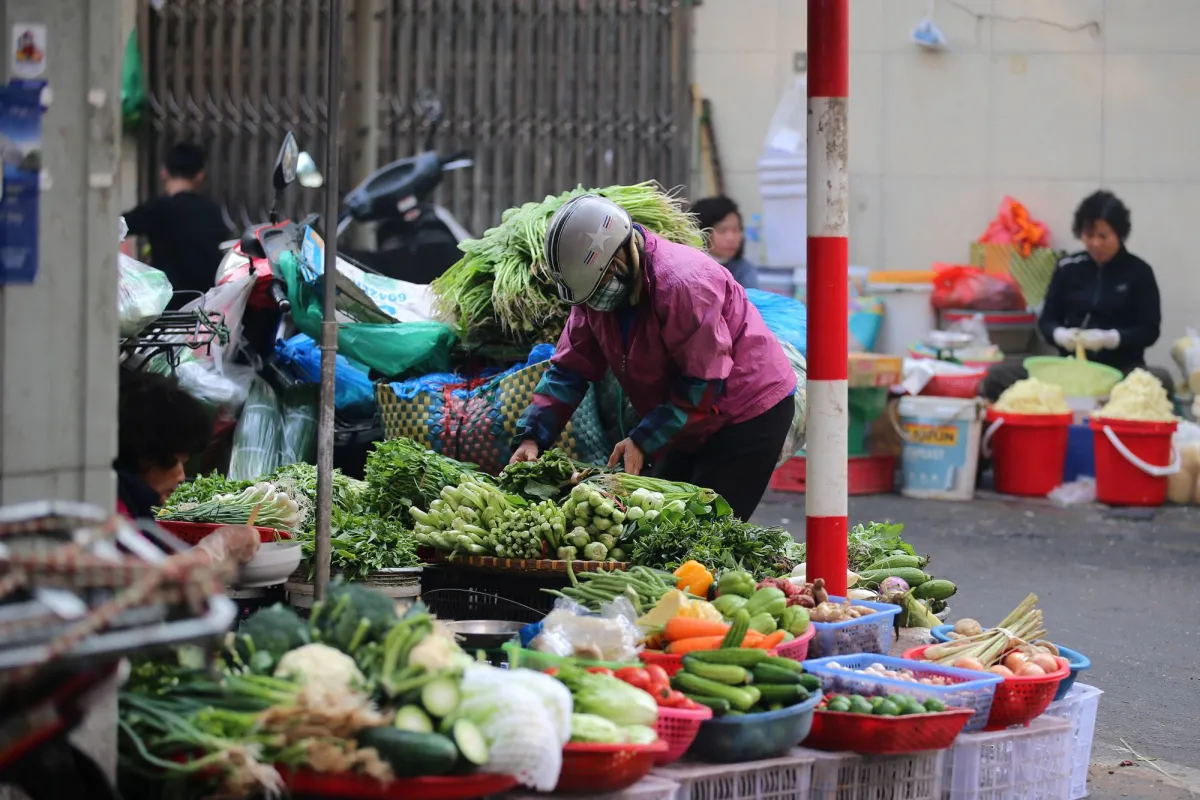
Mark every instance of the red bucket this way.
pixel 1133 460
pixel 1028 451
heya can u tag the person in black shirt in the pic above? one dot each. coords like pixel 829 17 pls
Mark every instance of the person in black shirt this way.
pixel 1104 297
pixel 184 227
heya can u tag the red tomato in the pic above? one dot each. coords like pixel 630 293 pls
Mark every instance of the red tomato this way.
pixel 662 694
pixel 675 699
pixel 551 671
pixel 600 670
pixel 635 676
pixel 658 675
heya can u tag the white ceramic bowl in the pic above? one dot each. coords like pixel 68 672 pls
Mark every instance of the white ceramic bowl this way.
pixel 273 563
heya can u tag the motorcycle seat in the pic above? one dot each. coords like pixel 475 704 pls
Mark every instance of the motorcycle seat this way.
pixel 377 196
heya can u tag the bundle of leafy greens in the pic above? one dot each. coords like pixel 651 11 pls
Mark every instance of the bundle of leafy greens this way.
pixel 360 544
pixel 401 473
pixel 203 488
pixel 548 478
pixel 868 544
pixel 714 542
pixel 299 481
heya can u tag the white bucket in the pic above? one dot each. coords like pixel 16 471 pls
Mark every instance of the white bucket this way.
pixel 941 446
pixel 907 315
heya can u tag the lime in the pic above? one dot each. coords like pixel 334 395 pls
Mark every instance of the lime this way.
pixel 933 705
pixel 887 709
pixel 839 704
pixel 859 705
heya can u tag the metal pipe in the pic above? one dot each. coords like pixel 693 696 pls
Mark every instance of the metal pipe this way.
pixel 826 507
pixel 329 331
pixel 364 110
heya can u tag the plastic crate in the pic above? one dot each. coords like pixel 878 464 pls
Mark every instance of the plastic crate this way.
pixel 650 787
pixel 1079 706
pixel 846 776
pixel 1031 763
pixel 864 475
pixel 869 634
pixel 754 737
pixel 971 690
pixel 1077 660
pixel 786 778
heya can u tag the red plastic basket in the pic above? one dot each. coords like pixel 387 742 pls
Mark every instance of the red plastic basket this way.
pixel 594 768
pixel 1018 700
pixel 797 649
pixel 678 727
pixel 865 475
pixel 192 532
pixel 885 736
pixel 349 786
pixel 954 385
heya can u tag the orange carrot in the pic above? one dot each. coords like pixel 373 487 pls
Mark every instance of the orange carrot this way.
pixel 689 628
pixel 770 642
pixel 681 647
pixel 753 638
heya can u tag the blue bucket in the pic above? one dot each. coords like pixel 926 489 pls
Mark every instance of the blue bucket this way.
pixel 1080 455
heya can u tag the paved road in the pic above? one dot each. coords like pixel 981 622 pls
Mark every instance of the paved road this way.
pixel 1121 591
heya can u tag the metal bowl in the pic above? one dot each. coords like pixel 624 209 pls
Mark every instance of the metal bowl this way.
pixel 484 634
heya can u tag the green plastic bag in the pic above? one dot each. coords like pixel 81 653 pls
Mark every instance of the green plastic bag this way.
pixel 133 86
pixel 392 349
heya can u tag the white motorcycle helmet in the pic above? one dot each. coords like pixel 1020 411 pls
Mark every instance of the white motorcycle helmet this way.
pixel 582 238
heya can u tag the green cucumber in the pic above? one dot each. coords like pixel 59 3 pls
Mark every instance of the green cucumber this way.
pixel 738 627
pixel 788 694
pixel 719 707
pixel 910 575
pixel 784 663
pixel 742 657
pixel 810 682
pixel 730 674
pixel 894 562
pixel 414 719
pixel 937 589
pixel 410 754
pixel 741 698
pixel 470 742
pixel 768 673
pixel 440 697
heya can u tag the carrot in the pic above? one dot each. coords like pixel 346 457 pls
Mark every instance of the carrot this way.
pixel 682 647
pixel 770 642
pixel 753 638
pixel 689 628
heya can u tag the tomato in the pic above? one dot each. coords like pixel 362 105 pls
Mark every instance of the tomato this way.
pixel 662 694
pixel 635 676
pixel 658 675
pixel 551 671
pixel 600 671
pixel 675 699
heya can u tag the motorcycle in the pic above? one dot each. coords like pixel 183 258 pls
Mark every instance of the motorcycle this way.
pixel 416 240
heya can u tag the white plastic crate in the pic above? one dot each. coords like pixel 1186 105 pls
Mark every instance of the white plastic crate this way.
pixel 849 776
pixel 650 787
pixel 1079 706
pixel 1031 763
pixel 786 778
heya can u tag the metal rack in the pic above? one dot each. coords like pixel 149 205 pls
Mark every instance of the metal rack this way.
pixel 171 334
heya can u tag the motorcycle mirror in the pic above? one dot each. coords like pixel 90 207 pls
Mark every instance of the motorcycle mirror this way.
pixel 307 173
pixel 285 164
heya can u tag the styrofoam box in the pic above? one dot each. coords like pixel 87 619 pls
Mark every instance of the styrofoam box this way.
pixel 786 778
pixel 849 776
pixel 1079 706
pixel 649 788
pixel 1031 763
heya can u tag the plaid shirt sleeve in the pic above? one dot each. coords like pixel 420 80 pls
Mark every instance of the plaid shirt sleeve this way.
pixel 692 399
pixel 558 394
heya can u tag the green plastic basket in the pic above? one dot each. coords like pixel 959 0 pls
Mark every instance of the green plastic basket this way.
pixel 1077 378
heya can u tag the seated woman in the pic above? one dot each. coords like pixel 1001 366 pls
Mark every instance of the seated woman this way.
pixel 724 233
pixel 1104 297
pixel 159 426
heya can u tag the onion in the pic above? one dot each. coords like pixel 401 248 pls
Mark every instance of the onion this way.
pixel 893 585
pixel 1046 661
pixel 1002 670
pixel 968 662
pixel 1031 670
pixel 1016 662
pixel 968 627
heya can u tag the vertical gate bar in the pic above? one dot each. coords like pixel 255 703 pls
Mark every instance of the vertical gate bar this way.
pixel 485 149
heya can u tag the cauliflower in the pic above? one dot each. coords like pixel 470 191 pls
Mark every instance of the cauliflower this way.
pixel 319 666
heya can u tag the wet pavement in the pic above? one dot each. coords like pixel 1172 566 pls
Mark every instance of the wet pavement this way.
pixel 1120 590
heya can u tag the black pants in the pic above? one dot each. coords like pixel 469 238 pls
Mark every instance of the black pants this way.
pixel 737 461
pixel 1002 376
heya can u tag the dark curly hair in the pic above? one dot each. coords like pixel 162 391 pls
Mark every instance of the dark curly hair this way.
pixel 1100 206
pixel 709 211
pixel 157 422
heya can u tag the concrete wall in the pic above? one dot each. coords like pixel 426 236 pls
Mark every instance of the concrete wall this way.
pixel 1044 100
pixel 58 337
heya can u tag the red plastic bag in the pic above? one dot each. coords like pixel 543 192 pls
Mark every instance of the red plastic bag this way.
pixel 961 286
pixel 1014 226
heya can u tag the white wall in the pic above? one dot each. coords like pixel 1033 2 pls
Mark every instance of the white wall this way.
pixel 1016 105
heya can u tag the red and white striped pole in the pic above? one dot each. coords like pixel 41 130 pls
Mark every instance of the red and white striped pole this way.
pixel 828 225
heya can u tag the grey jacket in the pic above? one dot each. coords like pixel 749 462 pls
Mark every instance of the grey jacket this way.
pixel 743 272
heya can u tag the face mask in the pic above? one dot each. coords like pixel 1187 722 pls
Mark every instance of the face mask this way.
pixel 612 294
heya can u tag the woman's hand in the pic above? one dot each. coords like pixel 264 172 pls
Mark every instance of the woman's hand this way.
pixel 526 451
pixel 235 543
pixel 629 455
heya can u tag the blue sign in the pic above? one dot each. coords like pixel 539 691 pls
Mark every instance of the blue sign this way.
pixel 21 150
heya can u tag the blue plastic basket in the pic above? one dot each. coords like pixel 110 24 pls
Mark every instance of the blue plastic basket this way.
pixel 973 690
pixel 1078 661
pixel 754 737
pixel 869 634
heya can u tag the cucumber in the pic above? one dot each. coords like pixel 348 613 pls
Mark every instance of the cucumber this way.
pixel 787 694
pixel 730 674
pixel 810 682
pixel 910 575
pixel 892 562
pixel 440 697
pixel 414 719
pixel 739 626
pixel 768 673
pixel 742 657
pixel 470 742
pixel 742 698
pixel 719 707
pixel 937 589
pixel 410 754
pixel 784 663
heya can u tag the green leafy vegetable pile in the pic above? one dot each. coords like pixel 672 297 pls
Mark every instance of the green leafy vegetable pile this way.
pixel 402 474
pixel 716 543
pixel 547 478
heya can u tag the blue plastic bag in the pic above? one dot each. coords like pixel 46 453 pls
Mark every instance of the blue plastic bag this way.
pixel 786 317
pixel 353 388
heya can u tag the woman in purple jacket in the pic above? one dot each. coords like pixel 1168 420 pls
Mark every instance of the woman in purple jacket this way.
pixel 711 384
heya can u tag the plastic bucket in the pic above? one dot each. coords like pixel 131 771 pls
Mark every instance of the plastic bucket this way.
pixel 941 446
pixel 1133 460
pixel 1080 460
pixel 1028 451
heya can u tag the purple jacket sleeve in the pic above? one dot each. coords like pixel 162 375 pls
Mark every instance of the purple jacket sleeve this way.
pixel 577 362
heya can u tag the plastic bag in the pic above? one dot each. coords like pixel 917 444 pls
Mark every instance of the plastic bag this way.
pixel 960 286
pixel 571 631
pixel 221 387
pixel 1078 493
pixel 1186 353
pixel 133 86
pixel 142 294
pixel 866 318
pixel 795 440
pixel 299 407
pixel 1014 226
pixel 353 390
pixel 786 317
pixel 259 435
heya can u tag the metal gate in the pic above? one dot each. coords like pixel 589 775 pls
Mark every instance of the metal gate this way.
pixel 545 94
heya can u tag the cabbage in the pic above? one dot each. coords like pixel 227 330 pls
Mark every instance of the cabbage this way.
pixel 614 699
pixel 640 734
pixel 595 729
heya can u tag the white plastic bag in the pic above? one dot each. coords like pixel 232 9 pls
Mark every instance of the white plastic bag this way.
pixel 143 292
pixel 1186 352
pixel 230 300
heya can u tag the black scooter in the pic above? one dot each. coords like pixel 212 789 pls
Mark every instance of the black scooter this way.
pixel 416 240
